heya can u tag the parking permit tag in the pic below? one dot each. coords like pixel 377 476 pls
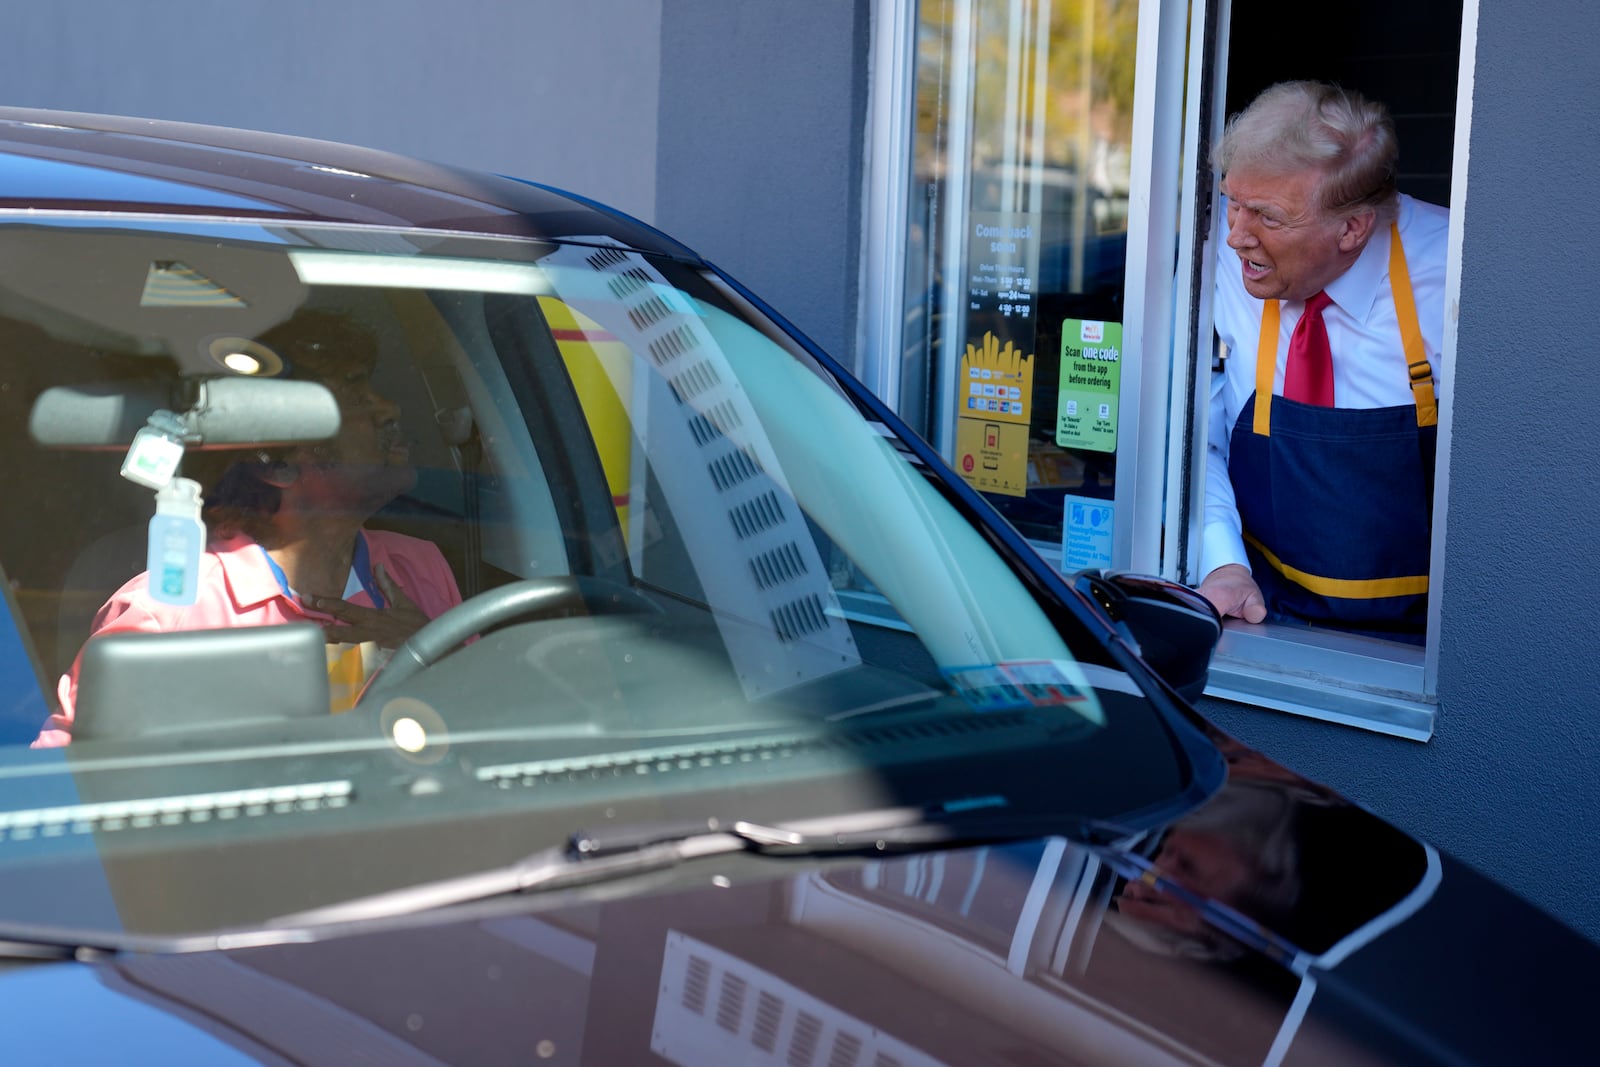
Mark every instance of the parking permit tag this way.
pixel 157 448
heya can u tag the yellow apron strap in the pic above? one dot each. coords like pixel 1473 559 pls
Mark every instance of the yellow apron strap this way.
pixel 1266 366
pixel 1405 308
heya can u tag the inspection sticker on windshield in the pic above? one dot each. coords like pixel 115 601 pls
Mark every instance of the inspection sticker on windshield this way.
pixel 1039 683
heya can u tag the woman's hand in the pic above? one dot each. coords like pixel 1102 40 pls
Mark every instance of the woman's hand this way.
pixel 390 627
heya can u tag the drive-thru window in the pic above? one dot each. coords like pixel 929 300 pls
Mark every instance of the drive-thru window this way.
pixel 1043 226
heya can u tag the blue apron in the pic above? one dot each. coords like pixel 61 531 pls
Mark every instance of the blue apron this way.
pixel 1336 503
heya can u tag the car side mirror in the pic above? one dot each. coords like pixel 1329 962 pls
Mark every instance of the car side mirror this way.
pixel 1174 628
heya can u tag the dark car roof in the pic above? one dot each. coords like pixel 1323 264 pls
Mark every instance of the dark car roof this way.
pixel 68 161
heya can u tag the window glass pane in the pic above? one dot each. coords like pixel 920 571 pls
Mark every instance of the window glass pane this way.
pixel 1017 241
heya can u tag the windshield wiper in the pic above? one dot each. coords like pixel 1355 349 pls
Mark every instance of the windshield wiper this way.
pixel 589 857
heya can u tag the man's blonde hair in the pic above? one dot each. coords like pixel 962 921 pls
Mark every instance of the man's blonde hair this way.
pixel 1301 125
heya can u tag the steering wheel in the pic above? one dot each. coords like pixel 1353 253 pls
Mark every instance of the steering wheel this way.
pixel 530 598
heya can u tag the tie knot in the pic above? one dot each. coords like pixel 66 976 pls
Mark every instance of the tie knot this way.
pixel 1317 301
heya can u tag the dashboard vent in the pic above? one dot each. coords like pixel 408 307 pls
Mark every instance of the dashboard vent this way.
pixel 800 618
pixel 778 565
pixel 756 515
pixel 123 815
pixel 680 759
pixel 686 400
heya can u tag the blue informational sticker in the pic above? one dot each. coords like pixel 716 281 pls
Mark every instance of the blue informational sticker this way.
pixel 1086 527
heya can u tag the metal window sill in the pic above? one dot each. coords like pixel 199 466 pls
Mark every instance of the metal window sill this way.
pixel 1353 681
pixel 1340 678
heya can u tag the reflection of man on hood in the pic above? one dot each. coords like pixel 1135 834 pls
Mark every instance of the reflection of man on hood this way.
pixel 1239 849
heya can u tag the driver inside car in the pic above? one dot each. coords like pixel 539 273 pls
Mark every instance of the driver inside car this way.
pixel 286 534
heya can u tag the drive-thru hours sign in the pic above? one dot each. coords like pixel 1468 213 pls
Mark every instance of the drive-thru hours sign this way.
pixel 994 398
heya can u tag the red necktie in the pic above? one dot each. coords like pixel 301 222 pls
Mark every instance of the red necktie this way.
pixel 1308 375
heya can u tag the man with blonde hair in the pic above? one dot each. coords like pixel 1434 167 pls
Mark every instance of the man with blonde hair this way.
pixel 1330 305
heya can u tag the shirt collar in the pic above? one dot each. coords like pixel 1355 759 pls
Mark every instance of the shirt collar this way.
pixel 244 566
pixel 252 581
pixel 1356 291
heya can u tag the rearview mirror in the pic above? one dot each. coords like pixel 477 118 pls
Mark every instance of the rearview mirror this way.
pixel 220 412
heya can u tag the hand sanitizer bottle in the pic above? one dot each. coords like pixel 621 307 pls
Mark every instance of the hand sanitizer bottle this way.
pixel 177 536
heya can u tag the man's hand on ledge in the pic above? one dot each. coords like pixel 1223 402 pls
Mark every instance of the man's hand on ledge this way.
pixel 1232 590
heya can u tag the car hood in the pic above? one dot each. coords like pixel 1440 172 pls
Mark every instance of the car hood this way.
pixel 1276 924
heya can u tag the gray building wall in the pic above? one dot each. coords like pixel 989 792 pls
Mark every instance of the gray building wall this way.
pixel 734 126
pixel 761 149
pixel 1510 781
pixel 549 90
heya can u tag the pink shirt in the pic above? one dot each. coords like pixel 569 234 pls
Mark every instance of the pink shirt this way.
pixel 238 588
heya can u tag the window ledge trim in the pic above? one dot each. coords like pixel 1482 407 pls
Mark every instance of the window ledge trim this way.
pixel 1314 675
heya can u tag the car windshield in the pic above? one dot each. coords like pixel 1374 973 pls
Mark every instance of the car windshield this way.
pixel 673 572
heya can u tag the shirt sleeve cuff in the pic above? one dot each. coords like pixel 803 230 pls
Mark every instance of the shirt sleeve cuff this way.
pixel 1221 545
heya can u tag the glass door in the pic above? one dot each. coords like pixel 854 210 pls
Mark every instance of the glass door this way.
pixel 1021 343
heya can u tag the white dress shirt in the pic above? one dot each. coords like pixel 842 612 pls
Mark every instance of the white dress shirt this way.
pixel 1369 365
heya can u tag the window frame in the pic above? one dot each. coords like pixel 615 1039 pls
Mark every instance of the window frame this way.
pixel 1385 687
